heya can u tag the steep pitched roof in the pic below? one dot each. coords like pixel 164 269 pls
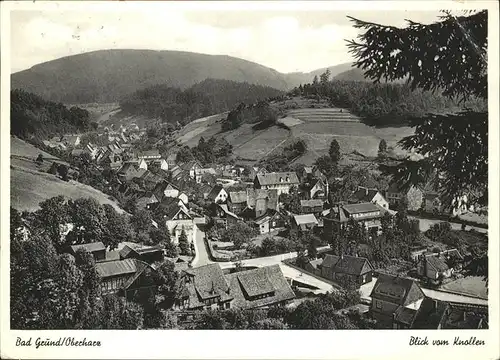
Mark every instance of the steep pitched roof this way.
pixel 115 268
pixel 260 194
pixel 168 207
pixel 305 219
pixel 90 247
pixel 436 263
pixel 405 315
pixel 352 265
pixel 275 178
pixel 397 290
pixel 226 210
pixel 330 261
pixel 364 194
pixel 209 281
pixel 265 280
pixel 212 195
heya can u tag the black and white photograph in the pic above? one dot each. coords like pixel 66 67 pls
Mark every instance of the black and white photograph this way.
pixel 264 168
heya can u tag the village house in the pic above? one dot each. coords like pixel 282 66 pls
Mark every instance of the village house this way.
pixel 311 207
pixel 259 202
pixel 259 288
pixel 366 195
pixel 206 287
pixel 145 201
pixel 97 249
pixel 130 170
pixel 217 194
pixel 306 222
pixel 224 216
pixel 172 159
pixel 414 196
pixel 237 201
pixel 160 163
pixel 367 214
pixel 280 181
pixel 439 315
pixel 270 221
pixel 149 155
pixel 147 254
pixel 192 169
pixel 165 189
pixel 395 301
pixel 71 140
pixel 151 180
pixel 432 203
pixel 354 269
pixel 307 173
pixel 314 189
pixel 203 287
pixel 436 266
pixel 123 277
pixel 177 218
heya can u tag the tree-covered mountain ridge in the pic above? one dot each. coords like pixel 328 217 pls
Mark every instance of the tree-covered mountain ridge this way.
pixel 105 76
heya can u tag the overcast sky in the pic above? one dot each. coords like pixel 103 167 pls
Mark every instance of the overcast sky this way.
pixel 285 41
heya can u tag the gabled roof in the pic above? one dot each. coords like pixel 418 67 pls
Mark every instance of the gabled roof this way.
pixel 149 153
pixel 397 290
pixel 275 178
pixel 330 261
pixel 214 192
pixel 305 219
pixel 189 165
pixel 312 203
pixel 364 194
pixel 436 263
pixel 260 194
pixel 405 315
pixel 209 280
pixel 308 186
pixel 352 265
pixel 265 280
pixel 115 268
pixel 168 207
pixel 90 247
pixel 361 208
pixel 226 210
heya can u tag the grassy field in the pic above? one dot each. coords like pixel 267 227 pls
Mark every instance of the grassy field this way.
pixel 30 184
pixel 28 188
pixel 320 126
pixel 315 122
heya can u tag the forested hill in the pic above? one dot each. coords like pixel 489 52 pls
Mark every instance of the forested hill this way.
pixel 385 103
pixel 109 75
pixel 30 115
pixel 208 97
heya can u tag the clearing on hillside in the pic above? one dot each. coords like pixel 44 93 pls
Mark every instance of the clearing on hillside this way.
pixel 28 188
pixel 30 184
pixel 319 126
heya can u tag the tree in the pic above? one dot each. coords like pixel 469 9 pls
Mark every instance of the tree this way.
pixel 184 243
pixel 453 59
pixel 325 164
pixel 382 148
pixel 117 228
pixel 141 221
pixel 239 234
pixel 161 236
pixel 39 159
pixel 53 213
pixel 334 151
pixel 89 220
pixel 62 170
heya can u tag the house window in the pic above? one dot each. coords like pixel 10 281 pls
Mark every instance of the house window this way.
pixel 274 223
pixel 281 179
pixel 378 304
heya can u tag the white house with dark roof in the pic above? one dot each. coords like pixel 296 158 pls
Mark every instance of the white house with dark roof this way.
pixel 366 195
pixel 217 194
pixel 280 181
pixel 368 214
pixel 149 155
